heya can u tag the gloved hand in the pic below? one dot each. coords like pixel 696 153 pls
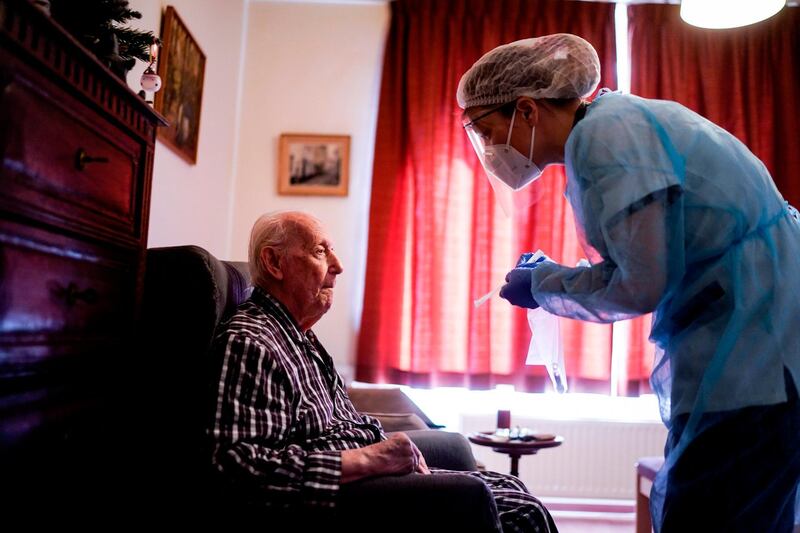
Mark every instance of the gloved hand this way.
pixel 517 289
pixel 522 262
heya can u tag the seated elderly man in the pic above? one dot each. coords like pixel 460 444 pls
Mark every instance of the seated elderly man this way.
pixel 283 420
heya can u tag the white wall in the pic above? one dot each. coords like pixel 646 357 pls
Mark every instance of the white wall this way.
pixel 272 68
pixel 313 68
pixel 191 204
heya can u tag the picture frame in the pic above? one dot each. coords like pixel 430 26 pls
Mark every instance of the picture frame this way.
pixel 182 66
pixel 312 164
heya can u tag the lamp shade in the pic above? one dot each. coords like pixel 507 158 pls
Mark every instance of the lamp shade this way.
pixel 719 14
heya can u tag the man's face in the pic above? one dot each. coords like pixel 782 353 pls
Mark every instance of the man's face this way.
pixel 310 269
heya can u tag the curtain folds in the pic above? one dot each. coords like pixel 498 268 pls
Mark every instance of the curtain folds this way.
pixel 437 239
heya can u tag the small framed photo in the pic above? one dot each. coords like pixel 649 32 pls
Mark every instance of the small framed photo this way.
pixel 182 66
pixel 313 164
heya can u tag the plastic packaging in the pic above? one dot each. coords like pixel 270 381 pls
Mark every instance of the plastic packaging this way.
pixel 546 347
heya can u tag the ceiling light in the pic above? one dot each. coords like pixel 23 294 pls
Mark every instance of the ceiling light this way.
pixel 718 14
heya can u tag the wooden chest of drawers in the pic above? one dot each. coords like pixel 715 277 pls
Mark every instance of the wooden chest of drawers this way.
pixel 76 156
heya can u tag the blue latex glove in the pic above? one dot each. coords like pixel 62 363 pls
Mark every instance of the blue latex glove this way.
pixel 522 262
pixel 517 289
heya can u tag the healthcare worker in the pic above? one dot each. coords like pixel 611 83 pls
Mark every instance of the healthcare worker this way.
pixel 680 219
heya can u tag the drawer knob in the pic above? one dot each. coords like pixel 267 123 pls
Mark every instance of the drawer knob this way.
pixel 82 159
pixel 71 294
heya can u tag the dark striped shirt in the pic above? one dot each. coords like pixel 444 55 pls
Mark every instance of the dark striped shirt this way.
pixel 282 415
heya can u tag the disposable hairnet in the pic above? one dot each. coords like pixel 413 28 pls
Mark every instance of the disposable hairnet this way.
pixel 561 65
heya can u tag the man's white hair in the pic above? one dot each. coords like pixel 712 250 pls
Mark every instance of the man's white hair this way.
pixel 276 230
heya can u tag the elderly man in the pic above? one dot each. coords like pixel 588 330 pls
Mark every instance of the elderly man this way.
pixel 283 422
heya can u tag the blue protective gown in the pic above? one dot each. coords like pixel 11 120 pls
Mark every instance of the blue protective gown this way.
pixel 687 223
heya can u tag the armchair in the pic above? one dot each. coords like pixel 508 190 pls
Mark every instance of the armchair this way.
pixel 188 292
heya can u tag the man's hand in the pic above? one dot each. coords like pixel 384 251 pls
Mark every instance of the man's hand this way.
pixel 395 456
pixel 422 466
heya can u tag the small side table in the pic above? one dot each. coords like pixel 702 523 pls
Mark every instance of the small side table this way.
pixel 515 448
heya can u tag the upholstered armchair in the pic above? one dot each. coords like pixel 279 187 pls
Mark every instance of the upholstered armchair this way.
pixel 188 292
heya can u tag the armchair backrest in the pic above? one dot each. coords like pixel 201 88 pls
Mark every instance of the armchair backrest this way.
pixel 188 293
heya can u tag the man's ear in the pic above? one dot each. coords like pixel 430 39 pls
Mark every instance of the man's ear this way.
pixel 528 110
pixel 271 260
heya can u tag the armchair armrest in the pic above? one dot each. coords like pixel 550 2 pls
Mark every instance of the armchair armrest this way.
pixel 444 449
pixel 392 422
pixel 386 400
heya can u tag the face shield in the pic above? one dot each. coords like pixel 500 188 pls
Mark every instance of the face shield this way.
pixel 512 175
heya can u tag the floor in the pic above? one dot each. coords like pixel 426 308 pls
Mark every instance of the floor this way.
pixel 571 524
pixel 568 523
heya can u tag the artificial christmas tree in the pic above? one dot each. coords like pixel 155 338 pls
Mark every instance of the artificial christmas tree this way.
pixel 100 26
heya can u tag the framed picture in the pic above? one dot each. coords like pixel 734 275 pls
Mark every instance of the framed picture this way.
pixel 313 164
pixel 182 66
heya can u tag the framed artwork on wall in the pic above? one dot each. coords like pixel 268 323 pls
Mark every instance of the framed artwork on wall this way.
pixel 312 164
pixel 182 67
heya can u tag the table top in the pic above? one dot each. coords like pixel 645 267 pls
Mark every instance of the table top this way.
pixel 487 438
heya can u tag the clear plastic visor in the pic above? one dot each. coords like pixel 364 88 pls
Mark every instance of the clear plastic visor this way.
pixel 496 159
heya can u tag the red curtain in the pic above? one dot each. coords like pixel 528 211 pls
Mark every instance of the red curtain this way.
pixel 745 80
pixel 437 239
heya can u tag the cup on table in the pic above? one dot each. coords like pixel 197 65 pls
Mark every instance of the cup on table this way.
pixel 503 422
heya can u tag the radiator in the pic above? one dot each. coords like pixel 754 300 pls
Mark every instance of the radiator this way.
pixel 596 459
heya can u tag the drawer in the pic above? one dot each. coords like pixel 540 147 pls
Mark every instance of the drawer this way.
pixel 60 297
pixel 61 158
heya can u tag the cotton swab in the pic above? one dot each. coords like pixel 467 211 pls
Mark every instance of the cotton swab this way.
pixel 485 298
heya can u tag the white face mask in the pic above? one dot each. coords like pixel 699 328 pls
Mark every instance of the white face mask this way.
pixel 508 165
